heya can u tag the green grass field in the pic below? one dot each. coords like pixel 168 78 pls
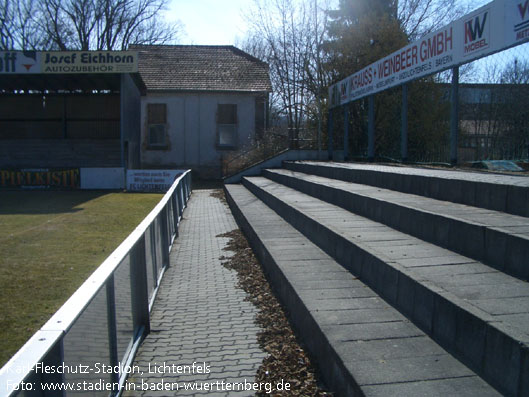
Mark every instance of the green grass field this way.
pixel 50 242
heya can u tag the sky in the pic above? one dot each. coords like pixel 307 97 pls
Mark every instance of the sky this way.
pixel 214 22
pixel 221 22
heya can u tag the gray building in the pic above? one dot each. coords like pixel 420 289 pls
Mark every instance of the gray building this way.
pixel 200 103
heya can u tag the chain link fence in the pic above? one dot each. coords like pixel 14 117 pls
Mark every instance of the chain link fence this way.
pixel 494 111
pixel 493 114
pixel 415 121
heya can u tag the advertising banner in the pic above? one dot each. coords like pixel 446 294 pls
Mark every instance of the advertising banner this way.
pixel 40 178
pixel 151 180
pixel 26 62
pixel 45 62
pixel 516 22
pixel 494 27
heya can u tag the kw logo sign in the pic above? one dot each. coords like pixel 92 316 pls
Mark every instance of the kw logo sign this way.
pixel 522 29
pixel 477 33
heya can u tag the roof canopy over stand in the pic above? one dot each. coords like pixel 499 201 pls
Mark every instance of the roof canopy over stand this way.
pixel 67 73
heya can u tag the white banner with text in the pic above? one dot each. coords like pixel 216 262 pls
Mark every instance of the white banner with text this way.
pixel 494 27
pixel 45 62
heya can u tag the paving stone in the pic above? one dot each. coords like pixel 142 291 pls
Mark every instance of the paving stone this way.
pixel 199 314
pixel 408 369
pixel 361 316
pixel 371 331
pixel 469 386
pixel 499 306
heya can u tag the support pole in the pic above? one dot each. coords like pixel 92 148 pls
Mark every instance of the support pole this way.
pixel 122 116
pixel 371 129
pixel 454 115
pixel 345 133
pixel 404 125
pixel 112 328
pixel 138 288
pixel 64 119
pixel 320 116
pixel 330 135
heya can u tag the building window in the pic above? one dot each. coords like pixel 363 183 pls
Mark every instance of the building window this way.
pixel 227 126
pixel 157 124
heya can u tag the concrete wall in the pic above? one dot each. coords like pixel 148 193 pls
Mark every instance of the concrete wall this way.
pixel 277 161
pixel 102 178
pixel 192 130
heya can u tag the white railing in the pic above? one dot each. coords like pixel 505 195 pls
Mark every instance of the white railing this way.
pixel 90 342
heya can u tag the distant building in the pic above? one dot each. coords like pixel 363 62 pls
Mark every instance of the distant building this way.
pixel 200 103
pixel 494 121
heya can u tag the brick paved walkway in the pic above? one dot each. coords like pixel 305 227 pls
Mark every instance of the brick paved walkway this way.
pixel 199 315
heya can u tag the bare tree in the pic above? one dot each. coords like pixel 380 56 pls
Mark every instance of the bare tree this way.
pixel 84 24
pixel 17 25
pixel 318 76
pixel 6 24
pixel 288 35
pixel 420 17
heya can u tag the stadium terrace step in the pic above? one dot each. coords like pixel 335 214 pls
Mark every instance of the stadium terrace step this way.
pixel 495 192
pixel 497 239
pixel 362 345
pixel 478 314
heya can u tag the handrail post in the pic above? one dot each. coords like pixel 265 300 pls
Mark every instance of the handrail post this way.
pixel 176 212
pixel 181 199
pixel 346 133
pixel 188 182
pixel 454 115
pixel 54 359
pixel 371 128
pixel 112 327
pixel 330 135
pixel 152 237
pixel 404 125
pixel 139 289
pixel 170 219
pixel 164 229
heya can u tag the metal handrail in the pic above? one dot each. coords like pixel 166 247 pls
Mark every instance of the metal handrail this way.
pixel 24 374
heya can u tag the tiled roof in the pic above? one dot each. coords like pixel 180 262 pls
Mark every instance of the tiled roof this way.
pixel 201 68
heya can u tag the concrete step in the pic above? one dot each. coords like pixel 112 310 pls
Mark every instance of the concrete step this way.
pixel 495 238
pixel 476 312
pixel 503 193
pixel 362 345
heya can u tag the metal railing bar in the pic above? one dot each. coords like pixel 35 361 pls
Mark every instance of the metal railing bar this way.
pixel 112 327
pixel 175 217
pixel 155 291
pixel 130 359
pixel 152 237
pixel 63 319
pixel 43 345
pixel 164 228
pixel 139 290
